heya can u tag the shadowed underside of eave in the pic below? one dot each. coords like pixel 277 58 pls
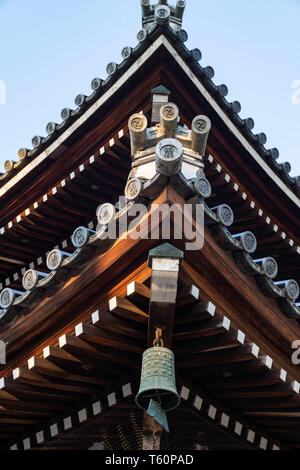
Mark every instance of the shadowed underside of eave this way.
pixel 73 288
pixel 76 393
pixel 237 377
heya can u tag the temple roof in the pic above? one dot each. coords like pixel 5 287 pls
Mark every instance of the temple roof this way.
pixel 154 24
pixel 75 321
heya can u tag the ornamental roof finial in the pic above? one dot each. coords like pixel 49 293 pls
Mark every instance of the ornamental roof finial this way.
pixel 161 12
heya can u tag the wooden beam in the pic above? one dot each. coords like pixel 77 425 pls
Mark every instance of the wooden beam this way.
pixel 79 347
pixel 139 294
pixel 108 321
pixel 187 296
pixel 126 309
pixel 235 355
pixel 152 433
pixel 260 404
pixel 32 394
pixel 216 326
pixel 93 335
pixel 277 376
pixel 22 375
pixel 200 312
pixel 48 369
pixel 277 391
pixel 164 261
pixel 211 343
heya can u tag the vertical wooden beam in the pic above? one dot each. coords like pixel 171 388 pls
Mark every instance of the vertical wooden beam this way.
pixel 164 261
pixel 152 433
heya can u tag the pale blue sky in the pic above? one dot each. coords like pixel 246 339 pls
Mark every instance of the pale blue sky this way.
pixel 50 52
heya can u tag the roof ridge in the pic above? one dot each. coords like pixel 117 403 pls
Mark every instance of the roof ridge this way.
pixel 114 70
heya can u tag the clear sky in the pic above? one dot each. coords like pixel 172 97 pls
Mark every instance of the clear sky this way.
pixel 50 52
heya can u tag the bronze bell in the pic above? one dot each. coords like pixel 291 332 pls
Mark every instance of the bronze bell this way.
pixel 158 379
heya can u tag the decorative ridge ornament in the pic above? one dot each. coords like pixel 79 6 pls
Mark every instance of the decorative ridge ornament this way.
pixel 168 152
pixel 162 13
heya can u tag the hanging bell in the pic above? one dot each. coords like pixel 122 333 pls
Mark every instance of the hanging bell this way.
pixel 158 380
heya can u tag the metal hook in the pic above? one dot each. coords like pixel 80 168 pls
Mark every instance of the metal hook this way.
pixel 158 342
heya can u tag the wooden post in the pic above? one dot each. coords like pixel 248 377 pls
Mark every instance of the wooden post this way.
pixel 152 432
pixel 164 261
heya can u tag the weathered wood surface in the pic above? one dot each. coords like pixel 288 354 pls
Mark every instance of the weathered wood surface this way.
pixel 152 433
pixel 163 302
pixel 90 359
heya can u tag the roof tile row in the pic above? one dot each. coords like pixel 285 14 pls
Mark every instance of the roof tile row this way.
pixel 114 70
